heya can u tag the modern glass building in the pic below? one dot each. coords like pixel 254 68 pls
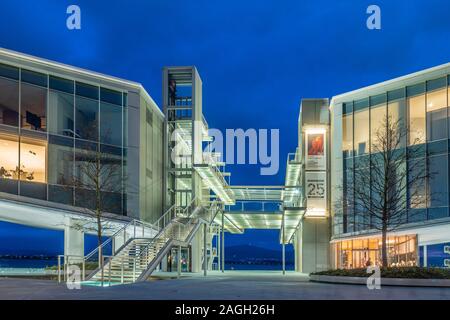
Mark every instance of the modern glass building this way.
pixel 54 119
pixel 419 103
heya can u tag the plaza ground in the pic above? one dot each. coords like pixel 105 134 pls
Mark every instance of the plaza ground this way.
pixel 232 285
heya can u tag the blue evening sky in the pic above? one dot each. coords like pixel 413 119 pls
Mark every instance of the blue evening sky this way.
pixel 257 59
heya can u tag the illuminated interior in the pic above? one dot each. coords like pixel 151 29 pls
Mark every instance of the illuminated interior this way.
pixel 32 160
pixel 359 253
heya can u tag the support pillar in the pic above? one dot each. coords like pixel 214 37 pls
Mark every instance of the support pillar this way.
pixel 179 262
pixel 284 248
pixel 73 240
pixel 164 266
pixel 425 256
pixel 297 250
pixel 223 244
pixel 314 245
pixel 218 251
pixel 196 256
pixel 205 250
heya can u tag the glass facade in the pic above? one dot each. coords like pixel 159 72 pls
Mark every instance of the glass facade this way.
pixel 47 126
pixel 360 253
pixel 422 109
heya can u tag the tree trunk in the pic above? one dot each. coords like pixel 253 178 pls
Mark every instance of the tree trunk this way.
pixel 384 255
pixel 99 241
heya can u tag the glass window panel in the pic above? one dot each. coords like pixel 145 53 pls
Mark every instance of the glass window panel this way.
pixel 85 198
pixel 437 115
pixel 438 182
pixel 415 90
pixel 377 121
pixel 416 215
pixel 347 107
pixel 111 96
pixel 86 118
pixel 36 190
pixel 61 84
pixel 9 163
pixel 436 84
pixel 110 124
pixel 9 102
pixel 33 107
pixel 60 160
pixel 347 135
pixel 33 158
pixel 85 155
pixel 60 194
pixel 125 126
pixel 417 187
pixel 416 111
pixel 437 147
pixel 61 113
pixel 396 94
pixel 397 114
pixel 378 99
pixel 361 133
pixel 9 71
pixel 111 163
pixel 448 109
pixel 87 90
pixel 437 213
pixel 112 202
pixel 361 104
pixel 33 77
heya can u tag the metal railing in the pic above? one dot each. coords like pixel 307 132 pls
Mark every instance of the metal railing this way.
pixel 133 229
pixel 176 224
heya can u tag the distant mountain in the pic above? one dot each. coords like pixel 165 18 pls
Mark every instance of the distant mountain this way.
pixel 252 253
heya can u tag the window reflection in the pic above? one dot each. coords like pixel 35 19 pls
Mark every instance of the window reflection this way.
pixel 33 107
pixel 361 134
pixel 86 118
pixel 61 160
pixel 437 115
pixel 377 120
pixel 9 102
pixel 111 124
pixel 347 132
pixel 397 115
pixel 61 119
pixel 416 111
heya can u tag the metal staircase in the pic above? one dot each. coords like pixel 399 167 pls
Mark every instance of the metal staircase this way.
pixel 139 256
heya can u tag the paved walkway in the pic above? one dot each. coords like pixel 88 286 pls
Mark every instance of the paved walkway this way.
pixel 230 285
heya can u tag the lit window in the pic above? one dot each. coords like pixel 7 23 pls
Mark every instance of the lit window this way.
pixel 33 161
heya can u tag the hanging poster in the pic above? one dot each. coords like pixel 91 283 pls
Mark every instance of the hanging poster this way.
pixel 315 151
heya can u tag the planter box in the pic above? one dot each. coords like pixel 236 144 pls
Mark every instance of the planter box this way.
pixel 384 281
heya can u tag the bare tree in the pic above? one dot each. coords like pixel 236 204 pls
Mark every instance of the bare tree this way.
pixel 388 184
pixel 99 175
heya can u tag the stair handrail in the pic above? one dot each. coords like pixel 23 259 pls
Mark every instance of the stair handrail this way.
pixel 122 229
pixel 164 228
pixel 189 206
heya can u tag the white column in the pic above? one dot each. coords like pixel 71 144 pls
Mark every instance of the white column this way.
pixel 315 245
pixel 164 264
pixel 425 256
pixel 298 250
pixel 73 239
pixel 196 245
pixel 205 250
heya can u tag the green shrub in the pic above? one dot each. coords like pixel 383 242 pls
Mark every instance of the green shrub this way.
pixel 396 272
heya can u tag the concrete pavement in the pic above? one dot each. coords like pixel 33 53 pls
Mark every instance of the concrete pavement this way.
pixel 236 285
